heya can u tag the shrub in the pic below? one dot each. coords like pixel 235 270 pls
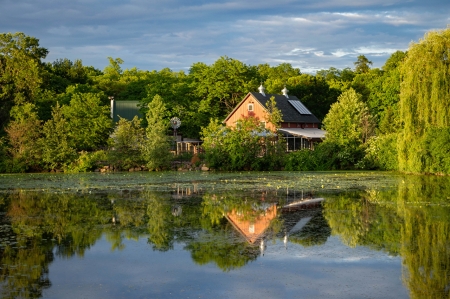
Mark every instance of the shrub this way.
pixel 86 162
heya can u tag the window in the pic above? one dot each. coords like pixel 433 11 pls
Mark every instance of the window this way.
pixel 250 107
pixel 262 124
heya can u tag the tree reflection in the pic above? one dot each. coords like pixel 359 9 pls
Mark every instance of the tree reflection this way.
pixel 413 221
pixel 424 205
pixel 315 232
pixel 32 227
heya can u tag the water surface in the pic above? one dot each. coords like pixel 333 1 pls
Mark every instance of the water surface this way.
pixel 224 235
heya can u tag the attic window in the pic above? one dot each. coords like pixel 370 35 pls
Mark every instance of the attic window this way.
pixel 250 107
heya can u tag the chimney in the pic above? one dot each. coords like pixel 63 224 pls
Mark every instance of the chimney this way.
pixel 112 106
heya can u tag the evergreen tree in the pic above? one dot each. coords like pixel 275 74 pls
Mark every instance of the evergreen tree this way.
pixel 57 151
pixel 156 148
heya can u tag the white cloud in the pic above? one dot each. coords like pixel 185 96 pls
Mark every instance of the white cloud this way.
pixel 310 34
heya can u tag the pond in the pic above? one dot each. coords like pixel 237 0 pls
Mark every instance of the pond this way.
pixel 224 235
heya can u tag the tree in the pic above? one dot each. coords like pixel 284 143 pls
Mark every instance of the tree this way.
pixel 24 132
pixel 247 146
pixel 88 121
pixel 127 141
pixel 348 121
pixel 424 100
pixel 156 148
pixel 348 125
pixel 275 78
pixel 57 150
pixel 128 136
pixel 20 71
pixel 314 92
pixel 110 82
pixel 273 114
pixel 362 64
pixel 222 85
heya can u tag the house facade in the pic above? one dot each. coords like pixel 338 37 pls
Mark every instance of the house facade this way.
pixel 299 126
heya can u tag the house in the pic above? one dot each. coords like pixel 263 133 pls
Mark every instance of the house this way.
pixel 299 126
pixel 124 109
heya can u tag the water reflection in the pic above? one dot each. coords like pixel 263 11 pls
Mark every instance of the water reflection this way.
pixel 228 229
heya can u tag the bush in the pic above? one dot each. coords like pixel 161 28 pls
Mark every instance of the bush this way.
pixel 86 162
pixel 381 153
pixel 247 146
pixel 325 156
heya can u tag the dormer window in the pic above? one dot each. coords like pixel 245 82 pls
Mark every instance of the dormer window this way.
pixel 250 107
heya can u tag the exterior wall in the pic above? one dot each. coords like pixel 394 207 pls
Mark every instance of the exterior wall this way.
pixel 242 112
pixel 299 125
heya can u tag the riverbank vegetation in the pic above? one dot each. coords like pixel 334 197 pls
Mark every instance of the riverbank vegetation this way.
pixel 55 116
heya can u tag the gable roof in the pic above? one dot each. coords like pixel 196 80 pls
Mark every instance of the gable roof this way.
pixel 289 112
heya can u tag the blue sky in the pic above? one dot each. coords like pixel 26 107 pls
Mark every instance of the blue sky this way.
pixel 151 35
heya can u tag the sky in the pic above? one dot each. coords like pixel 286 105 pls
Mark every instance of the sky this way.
pixel 152 35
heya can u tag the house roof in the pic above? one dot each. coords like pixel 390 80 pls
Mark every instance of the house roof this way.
pixel 289 112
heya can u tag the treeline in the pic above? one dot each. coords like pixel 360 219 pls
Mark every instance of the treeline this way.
pixel 55 116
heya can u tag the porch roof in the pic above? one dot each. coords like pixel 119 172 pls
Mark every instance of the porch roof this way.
pixel 308 133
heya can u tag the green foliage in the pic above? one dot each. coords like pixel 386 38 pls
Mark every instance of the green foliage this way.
pixel 275 78
pixel 63 73
pixel 315 92
pixel 156 147
pixel 24 132
pixel 424 101
pixel 87 161
pixel 127 142
pixel 273 114
pixel 247 146
pixel 222 85
pixel 128 136
pixel 213 137
pixel 57 149
pixel 437 156
pixel 20 71
pixel 5 160
pixel 88 121
pixel 381 153
pixel 348 125
pixel 325 156
pixel 362 64
pixel 348 122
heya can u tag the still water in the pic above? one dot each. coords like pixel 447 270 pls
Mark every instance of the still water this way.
pixel 224 235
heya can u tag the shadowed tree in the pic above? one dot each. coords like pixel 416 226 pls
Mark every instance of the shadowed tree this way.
pixel 362 64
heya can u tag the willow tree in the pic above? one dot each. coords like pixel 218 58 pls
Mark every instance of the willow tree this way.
pixel 425 104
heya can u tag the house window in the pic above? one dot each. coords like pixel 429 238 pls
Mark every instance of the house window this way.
pixel 250 107
pixel 262 124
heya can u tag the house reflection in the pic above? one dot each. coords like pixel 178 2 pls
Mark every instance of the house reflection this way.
pixel 254 225
pixel 299 221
